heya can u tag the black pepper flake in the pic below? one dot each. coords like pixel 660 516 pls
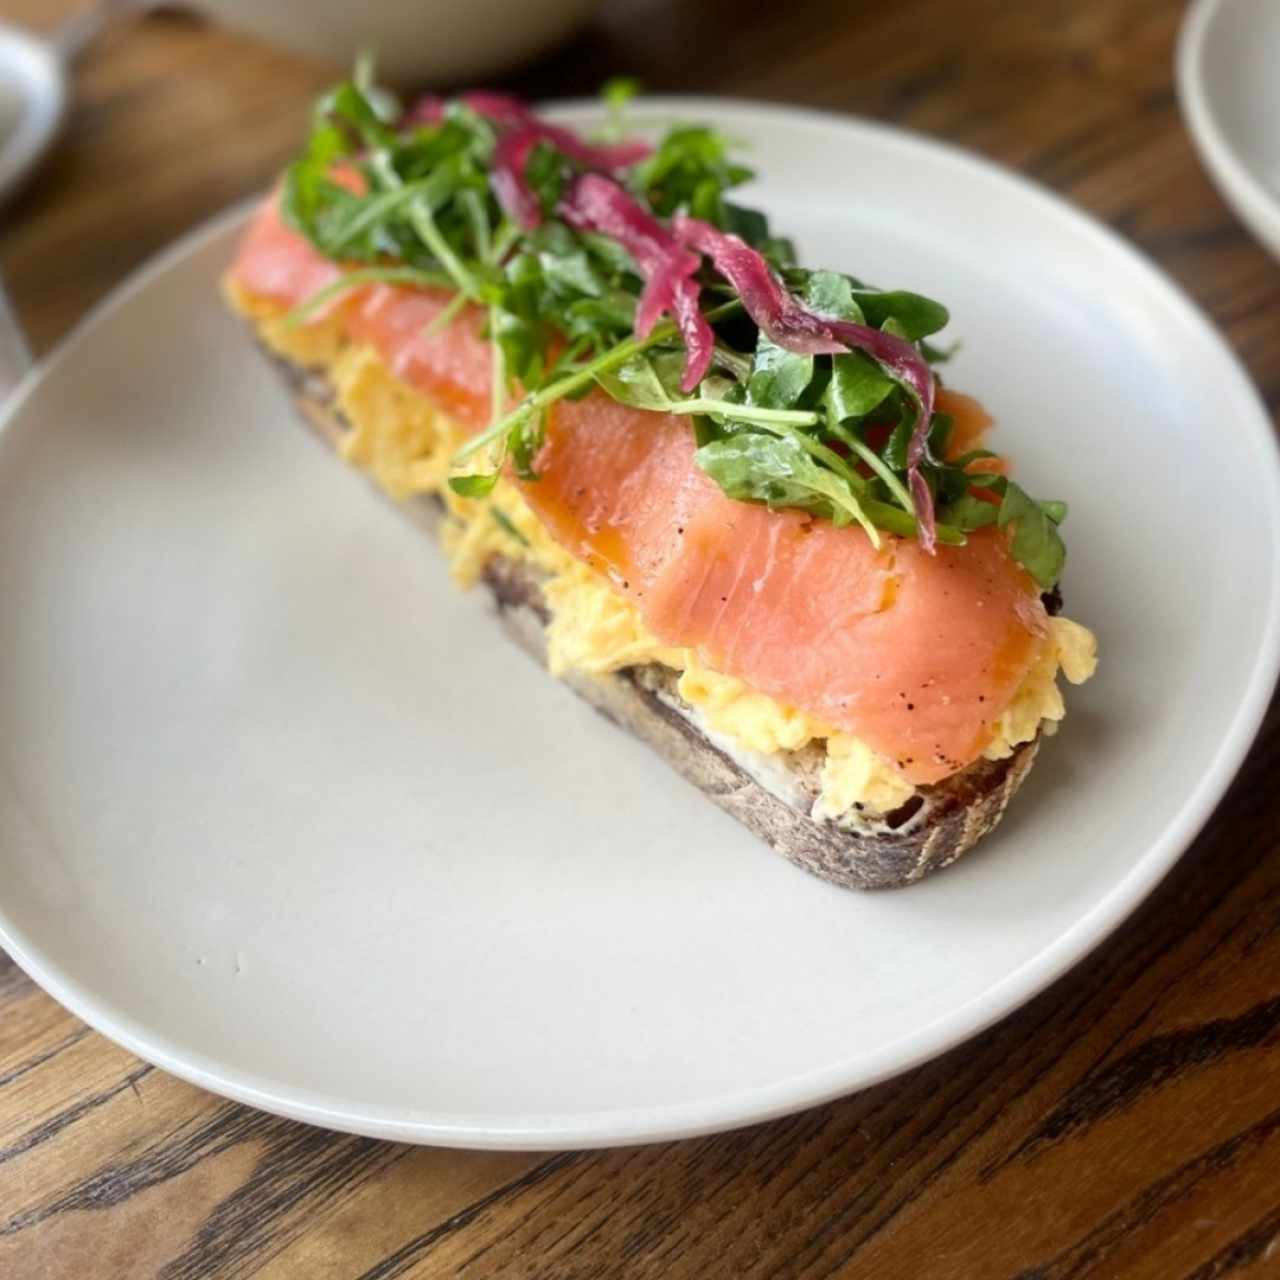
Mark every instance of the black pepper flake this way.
pixel 911 706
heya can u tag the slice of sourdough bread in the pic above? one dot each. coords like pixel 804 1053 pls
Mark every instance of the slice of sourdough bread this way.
pixel 771 795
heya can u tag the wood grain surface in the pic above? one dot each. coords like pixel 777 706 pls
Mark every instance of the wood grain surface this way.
pixel 1125 1123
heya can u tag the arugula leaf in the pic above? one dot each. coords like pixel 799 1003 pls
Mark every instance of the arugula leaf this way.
pixel 916 316
pixel 545 174
pixel 706 429
pixel 311 201
pixel 615 259
pixel 536 404
pixel 571 274
pixel 895 449
pixel 651 382
pixel 616 94
pixel 1037 545
pixel 749 224
pixel 613 313
pixel 691 158
pixel 858 386
pixel 778 378
pixel 473 486
pixel 969 512
pixel 347 105
pixel 779 472
pixel 519 337
pixel 940 428
pixel 902 523
pixel 831 294
pixel 384 103
pixel 524 441
pixel 476 211
pixel 846 298
pixel 636 383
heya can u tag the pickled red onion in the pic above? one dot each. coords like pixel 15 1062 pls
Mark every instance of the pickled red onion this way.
pixel 526 129
pixel 789 324
pixel 596 203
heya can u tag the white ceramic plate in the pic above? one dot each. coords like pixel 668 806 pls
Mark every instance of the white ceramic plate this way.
pixel 1228 60
pixel 283 814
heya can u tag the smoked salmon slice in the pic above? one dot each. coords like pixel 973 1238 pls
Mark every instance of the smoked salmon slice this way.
pixel 916 654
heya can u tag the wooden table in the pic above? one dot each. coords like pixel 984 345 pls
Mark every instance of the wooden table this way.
pixel 1125 1123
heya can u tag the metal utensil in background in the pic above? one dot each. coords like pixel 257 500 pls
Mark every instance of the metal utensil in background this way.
pixel 34 70
pixel 33 98
pixel 15 355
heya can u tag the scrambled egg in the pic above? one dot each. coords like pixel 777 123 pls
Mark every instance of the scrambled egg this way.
pixel 405 445
pixel 1072 649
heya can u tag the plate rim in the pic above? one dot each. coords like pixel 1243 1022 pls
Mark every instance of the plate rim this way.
pixel 1247 196
pixel 630 1125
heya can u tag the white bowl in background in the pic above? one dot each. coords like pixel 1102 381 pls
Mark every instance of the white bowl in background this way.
pixel 417 41
pixel 1228 60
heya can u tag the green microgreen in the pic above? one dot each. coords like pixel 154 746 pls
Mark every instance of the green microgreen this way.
pixel 826 434
pixel 504 523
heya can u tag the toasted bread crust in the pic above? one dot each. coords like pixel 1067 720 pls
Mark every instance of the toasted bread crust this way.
pixel 938 825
